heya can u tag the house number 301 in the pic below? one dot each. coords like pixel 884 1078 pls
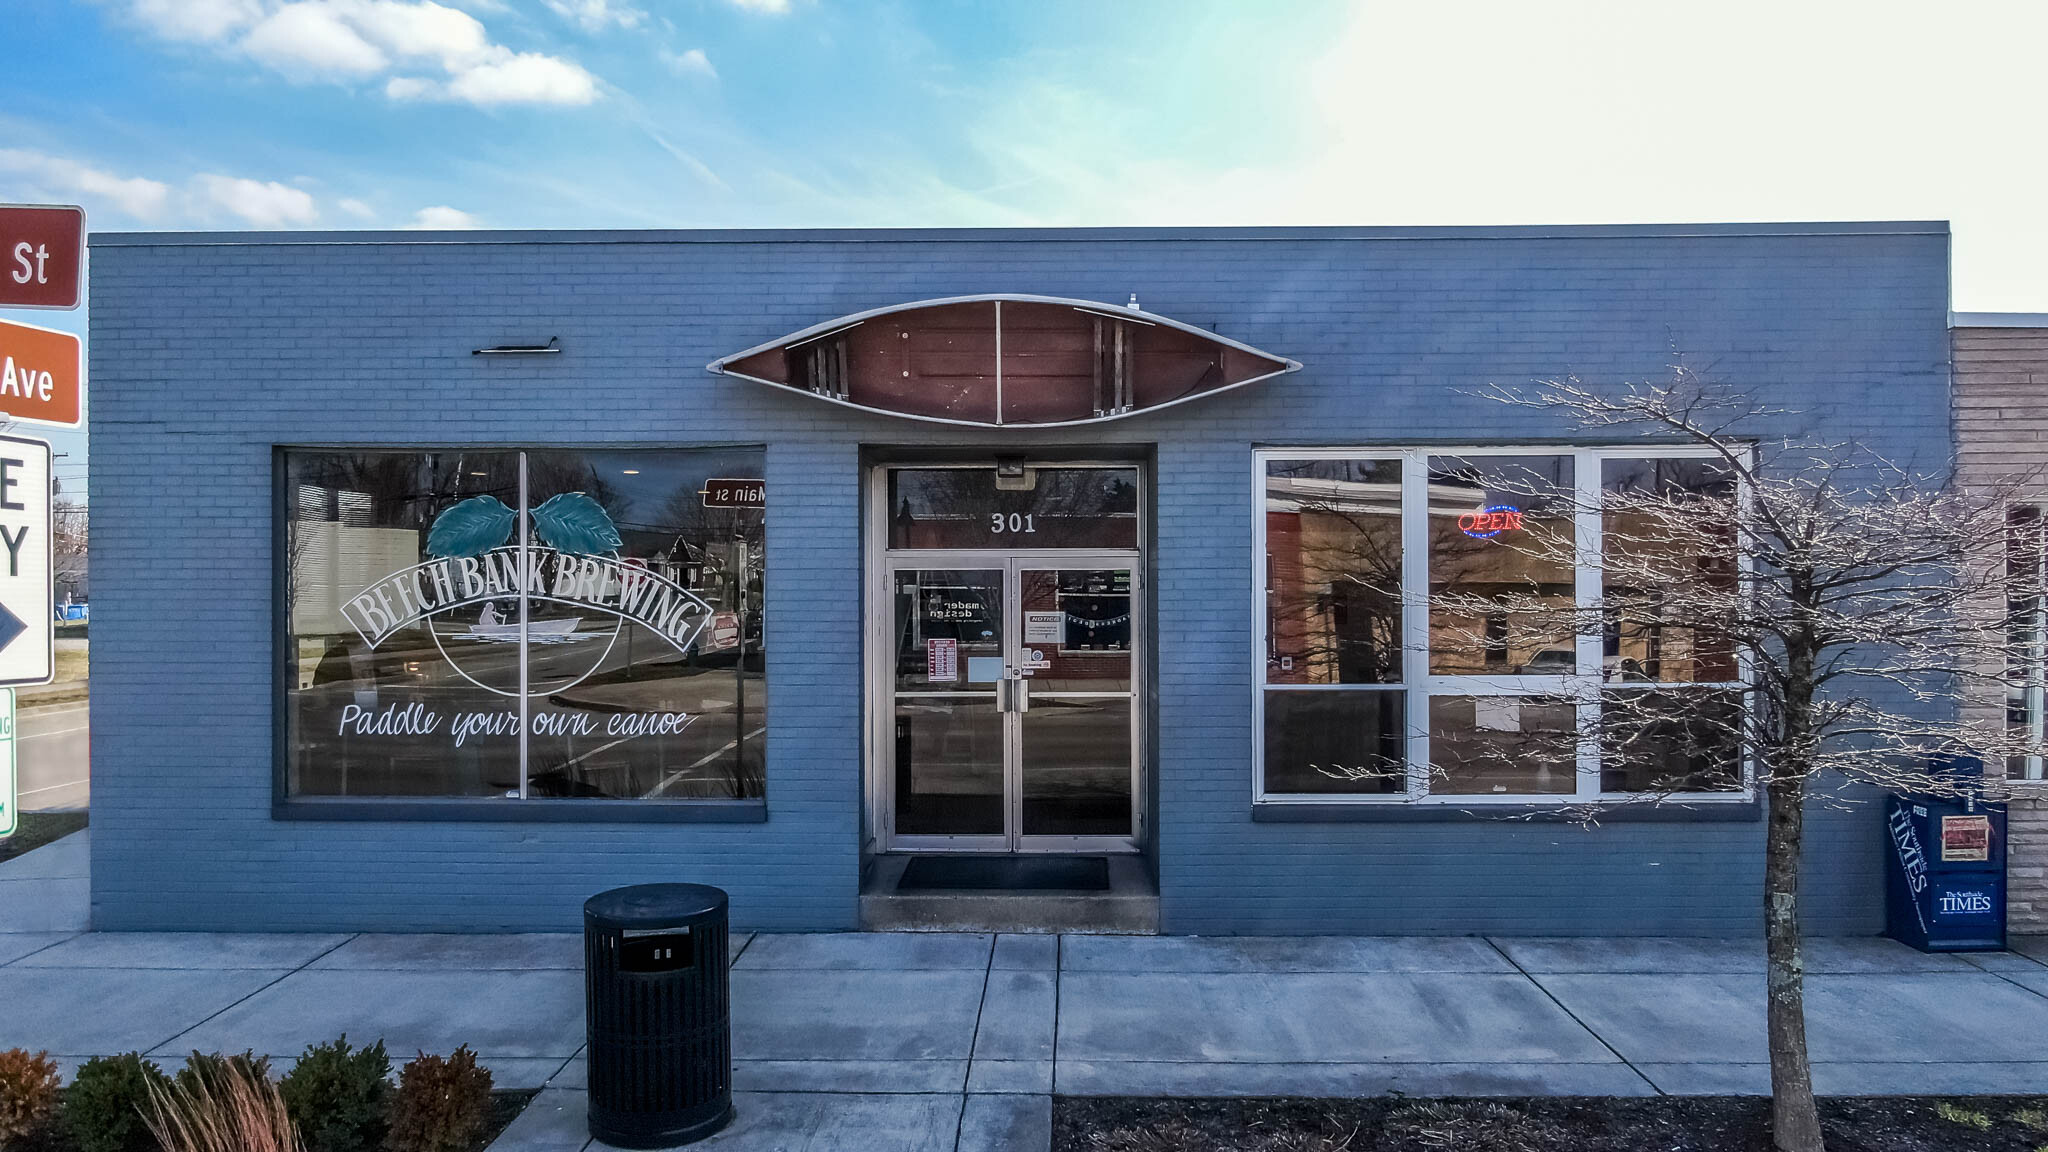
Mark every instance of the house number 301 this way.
pixel 1014 522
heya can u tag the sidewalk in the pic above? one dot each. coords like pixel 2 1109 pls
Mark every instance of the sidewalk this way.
pixel 946 1042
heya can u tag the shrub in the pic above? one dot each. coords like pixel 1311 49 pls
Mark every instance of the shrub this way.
pixel 211 1069
pixel 28 1096
pixel 221 1104
pixel 442 1105
pixel 340 1097
pixel 107 1108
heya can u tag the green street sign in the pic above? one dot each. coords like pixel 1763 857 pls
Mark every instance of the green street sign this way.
pixel 10 818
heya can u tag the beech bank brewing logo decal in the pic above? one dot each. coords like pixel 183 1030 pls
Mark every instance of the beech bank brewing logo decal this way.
pixel 468 594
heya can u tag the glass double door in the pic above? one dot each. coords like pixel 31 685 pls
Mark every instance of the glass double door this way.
pixel 1013 695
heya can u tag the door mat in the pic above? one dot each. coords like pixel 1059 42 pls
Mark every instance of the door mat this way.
pixel 1007 873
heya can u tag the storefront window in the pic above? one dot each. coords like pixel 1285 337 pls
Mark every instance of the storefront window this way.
pixel 1431 626
pixel 2026 568
pixel 524 625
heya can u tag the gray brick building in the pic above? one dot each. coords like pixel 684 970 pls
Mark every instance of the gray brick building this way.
pixel 397 630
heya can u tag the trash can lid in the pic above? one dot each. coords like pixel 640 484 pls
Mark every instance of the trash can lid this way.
pixel 654 905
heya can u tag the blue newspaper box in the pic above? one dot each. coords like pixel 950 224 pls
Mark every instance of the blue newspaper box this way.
pixel 1945 882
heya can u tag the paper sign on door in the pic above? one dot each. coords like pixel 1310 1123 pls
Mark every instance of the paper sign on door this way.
pixel 1044 627
pixel 942 661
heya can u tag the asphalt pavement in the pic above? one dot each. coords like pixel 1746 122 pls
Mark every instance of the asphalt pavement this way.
pixel 53 757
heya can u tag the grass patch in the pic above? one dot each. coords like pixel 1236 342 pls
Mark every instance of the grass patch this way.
pixel 38 829
pixel 72 664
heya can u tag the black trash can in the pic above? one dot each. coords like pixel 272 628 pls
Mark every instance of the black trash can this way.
pixel 658 1009
pixel 1945 880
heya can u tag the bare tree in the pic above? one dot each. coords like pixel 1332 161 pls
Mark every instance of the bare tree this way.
pixel 1804 607
pixel 68 557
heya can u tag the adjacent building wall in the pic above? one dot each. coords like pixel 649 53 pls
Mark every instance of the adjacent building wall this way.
pixel 209 350
pixel 2001 431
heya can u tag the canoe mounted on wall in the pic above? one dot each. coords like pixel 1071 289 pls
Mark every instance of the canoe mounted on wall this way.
pixel 1002 360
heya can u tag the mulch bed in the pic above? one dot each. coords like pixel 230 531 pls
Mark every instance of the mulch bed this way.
pixel 1655 1124
pixel 38 829
pixel 506 1105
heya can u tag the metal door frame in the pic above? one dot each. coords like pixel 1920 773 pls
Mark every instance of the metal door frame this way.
pixel 879 671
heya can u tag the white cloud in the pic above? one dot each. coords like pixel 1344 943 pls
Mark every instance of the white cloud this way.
pixel 690 63
pixel 772 7
pixel 525 78
pixel 300 39
pixel 311 40
pixel 266 205
pixel 442 216
pixel 43 176
pixel 411 88
pixel 597 15
pixel 201 20
pixel 356 208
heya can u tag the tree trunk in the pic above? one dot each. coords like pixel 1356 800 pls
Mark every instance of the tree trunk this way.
pixel 1795 1122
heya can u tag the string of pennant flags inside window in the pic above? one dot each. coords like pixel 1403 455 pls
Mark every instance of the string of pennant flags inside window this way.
pixel 1103 623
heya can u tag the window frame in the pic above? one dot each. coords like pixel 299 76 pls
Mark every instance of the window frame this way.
pixel 287 805
pixel 1421 685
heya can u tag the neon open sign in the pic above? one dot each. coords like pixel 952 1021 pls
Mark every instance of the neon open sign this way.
pixel 1486 523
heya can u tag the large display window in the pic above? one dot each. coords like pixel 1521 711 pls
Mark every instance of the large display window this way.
pixel 522 624
pixel 1438 626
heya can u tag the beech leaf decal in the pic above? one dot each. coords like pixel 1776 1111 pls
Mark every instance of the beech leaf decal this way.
pixel 471 527
pixel 576 524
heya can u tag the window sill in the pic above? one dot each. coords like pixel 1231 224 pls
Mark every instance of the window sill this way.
pixel 497 811
pixel 1612 812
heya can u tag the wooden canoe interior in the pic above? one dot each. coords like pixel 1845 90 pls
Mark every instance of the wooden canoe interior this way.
pixel 1059 363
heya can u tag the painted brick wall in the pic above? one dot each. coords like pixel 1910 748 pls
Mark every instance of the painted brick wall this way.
pixel 208 350
pixel 2001 431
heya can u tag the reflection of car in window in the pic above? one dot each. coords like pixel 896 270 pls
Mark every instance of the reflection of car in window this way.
pixel 1628 670
pixel 1551 662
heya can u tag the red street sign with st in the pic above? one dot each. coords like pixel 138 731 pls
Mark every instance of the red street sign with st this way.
pixel 41 374
pixel 41 250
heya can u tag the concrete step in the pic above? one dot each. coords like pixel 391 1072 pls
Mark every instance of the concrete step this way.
pixel 1130 907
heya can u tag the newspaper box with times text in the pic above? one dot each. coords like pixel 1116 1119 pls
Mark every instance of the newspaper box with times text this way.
pixel 1945 882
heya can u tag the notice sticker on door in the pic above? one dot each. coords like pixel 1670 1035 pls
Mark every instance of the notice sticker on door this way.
pixel 1965 838
pixel 942 661
pixel 1045 627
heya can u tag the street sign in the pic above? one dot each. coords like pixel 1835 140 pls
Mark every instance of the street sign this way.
pixel 41 249
pixel 42 375
pixel 27 600
pixel 10 819
pixel 726 492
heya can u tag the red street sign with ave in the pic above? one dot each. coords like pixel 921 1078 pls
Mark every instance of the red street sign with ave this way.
pixel 41 250
pixel 41 375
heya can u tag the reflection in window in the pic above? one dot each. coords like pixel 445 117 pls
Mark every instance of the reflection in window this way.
pixel 1333 571
pixel 1495 745
pixel 617 607
pixel 1039 508
pixel 2026 567
pixel 1670 740
pixel 1668 578
pixel 1336 743
pixel 1509 590
pixel 1500 565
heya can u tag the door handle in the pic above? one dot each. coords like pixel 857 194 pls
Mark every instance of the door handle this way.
pixel 1014 694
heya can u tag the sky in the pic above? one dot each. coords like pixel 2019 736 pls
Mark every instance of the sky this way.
pixel 342 114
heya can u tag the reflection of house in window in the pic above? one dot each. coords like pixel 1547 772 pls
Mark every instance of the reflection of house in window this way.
pixel 1496 639
pixel 336 551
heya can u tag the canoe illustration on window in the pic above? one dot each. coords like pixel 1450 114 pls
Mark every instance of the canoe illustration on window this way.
pixel 1005 360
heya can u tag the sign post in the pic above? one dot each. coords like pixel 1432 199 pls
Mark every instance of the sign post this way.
pixel 27 600
pixel 10 815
